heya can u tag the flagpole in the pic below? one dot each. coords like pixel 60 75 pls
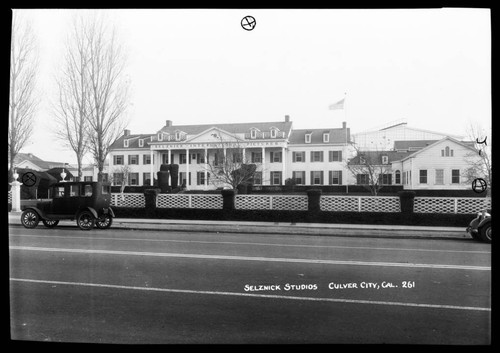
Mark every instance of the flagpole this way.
pixel 345 150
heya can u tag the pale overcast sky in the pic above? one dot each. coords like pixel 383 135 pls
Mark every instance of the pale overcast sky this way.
pixel 430 67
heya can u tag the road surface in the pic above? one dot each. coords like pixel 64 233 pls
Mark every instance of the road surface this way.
pixel 124 286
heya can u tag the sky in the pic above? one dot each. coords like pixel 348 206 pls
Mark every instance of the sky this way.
pixel 431 67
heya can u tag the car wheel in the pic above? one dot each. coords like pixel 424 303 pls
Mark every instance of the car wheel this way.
pixel 30 219
pixel 49 223
pixel 104 222
pixel 85 220
pixel 485 233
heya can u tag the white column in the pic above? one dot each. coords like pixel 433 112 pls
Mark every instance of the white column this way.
pixel 169 156
pixel 283 163
pixel 16 194
pixel 206 167
pixel 188 159
pixel 263 164
pixel 244 160
pixel 152 167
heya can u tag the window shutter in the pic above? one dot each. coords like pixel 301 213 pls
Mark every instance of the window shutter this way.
pixel 303 156
pixel 340 157
pixel 312 178
pixel 272 157
pixel 330 156
pixel 198 177
pixel 330 176
pixel 322 172
pixel 321 158
pixel 340 177
pixel 312 156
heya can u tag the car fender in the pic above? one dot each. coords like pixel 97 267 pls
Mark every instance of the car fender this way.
pixel 40 213
pixel 94 212
pixel 484 222
pixel 110 210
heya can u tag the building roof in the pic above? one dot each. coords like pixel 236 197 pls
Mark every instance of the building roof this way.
pixel 375 157
pixel 464 144
pixel 411 144
pixel 21 157
pixel 297 137
pixel 234 128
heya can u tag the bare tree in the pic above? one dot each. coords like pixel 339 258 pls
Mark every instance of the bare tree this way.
pixel 369 169
pixel 120 176
pixel 229 165
pixel 23 98
pixel 479 162
pixel 108 93
pixel 72 106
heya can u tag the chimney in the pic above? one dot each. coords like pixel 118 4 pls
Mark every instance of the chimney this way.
pixel 169 123
pixel 287 118
pixel 344 125
pixel 126 132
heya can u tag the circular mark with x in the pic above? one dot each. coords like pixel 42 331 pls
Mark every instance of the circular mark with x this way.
pixel 29 179
pixel 248 23
pixel 479 185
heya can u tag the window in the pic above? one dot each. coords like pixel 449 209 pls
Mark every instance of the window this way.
pixel 298 157
pixel 182 178
pixel 317 177
pixel 308 138
pixel 275 178
pixel 423 176
pixel 385 179
pixel 455 176
pixel 253 133
pixel 74 190
pixel 146 177
pixel 335 156
pixel 362 179
pixel 182 158
pixel 133 159
pixel 177 135
pixel 326 137
pixel 125 143
pixel 451 153
pixel 447 151
pixel 256 157
pixel 105 177
pixel 87 190
pixel 397 177
pixel 273 133
pixel 237 157
pixel 118 160
pixel 316 156
pixel 58 191
pixel 117 178
pixel 385 160
pixel 146 159
pixel 439 177
pixel 442 153
pixel 299 177
pixel 141 142
pixel 87 178
pixel 200 178
pixel 200 158
pixel 257 178
pixel 275 157
pixel 335 177
pixel 164 158
pixel 160 136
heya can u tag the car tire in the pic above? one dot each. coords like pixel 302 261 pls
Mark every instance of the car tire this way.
pixel 85 220
pixel 30 219
pixel 485 233
pixel 104 222
pixel 50 223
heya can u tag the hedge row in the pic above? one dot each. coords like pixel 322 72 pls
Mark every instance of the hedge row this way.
pixel 377 218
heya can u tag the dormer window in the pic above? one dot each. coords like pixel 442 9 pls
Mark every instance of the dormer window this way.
pixel 273 133
pixel 326 137
pixel 160 136
pixel 253 133
pixel 385 160
pixel 141 142
pixel 177 135
pixel 125 143
pixel 308 138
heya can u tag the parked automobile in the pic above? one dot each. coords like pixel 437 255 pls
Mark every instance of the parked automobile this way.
pixel 86 202
pixel 480 227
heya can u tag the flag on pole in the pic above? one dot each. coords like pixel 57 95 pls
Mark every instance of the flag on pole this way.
pixel 338 105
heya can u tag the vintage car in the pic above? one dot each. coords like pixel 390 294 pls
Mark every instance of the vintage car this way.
pixel 480 227
pixel 87 202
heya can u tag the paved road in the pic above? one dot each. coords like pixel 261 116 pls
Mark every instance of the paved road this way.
pixel 125 286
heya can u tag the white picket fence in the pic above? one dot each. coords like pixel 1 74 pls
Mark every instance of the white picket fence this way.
pixel 10 196
pixel 460 205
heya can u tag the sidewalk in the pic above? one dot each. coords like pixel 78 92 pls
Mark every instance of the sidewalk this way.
pixel 361 230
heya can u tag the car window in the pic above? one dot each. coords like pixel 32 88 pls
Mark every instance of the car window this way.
pixel 88 190
pixel 59 191
pixel 74 190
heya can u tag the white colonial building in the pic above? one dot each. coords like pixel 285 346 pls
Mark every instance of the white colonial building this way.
pixel 311 157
